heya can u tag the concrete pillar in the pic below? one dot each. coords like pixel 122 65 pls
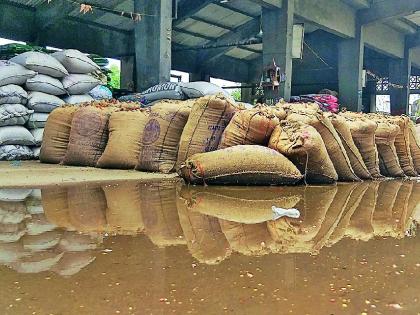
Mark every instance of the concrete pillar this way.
pixel 153 43
pixel 127 73
pixel 246 94
pixel 350 71
pixel 198 76
pixel 277 44
pixel 399 73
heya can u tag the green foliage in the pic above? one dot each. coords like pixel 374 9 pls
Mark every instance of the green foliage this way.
pixel 115 77
pixel 236 94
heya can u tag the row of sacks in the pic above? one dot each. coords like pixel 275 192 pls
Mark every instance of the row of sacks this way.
pixel 31 243
pixel 215 221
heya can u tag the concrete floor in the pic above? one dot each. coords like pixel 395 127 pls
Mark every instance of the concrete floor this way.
pixel 36 175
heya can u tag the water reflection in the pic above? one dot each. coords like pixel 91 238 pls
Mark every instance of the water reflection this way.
pixel 62 229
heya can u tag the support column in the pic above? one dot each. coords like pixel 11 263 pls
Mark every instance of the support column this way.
pixel 277 45
pixel 127 73
pixel 399 73
pixel 246 94
pixel 153 43
pixel 350 71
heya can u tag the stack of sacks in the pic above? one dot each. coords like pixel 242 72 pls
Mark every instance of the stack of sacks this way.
pixel 15 139
pixel 326 102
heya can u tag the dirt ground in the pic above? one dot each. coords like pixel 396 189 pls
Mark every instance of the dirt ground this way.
pixel 34 174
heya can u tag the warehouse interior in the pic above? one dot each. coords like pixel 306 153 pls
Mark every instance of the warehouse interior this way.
pixel 359 48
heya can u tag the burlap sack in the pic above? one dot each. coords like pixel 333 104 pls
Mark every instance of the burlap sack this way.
pixel 251 126
pixel 403 210
pixel 402 145
pixel 332 141
pixel 56 208
pixel 160 215
pixel 161 135
pixel 356 159
pixel 414 146
pixel 240 165
pixel 363 133
pixel 57 134
pixel 72 263
pixel 208 119
pixel 303 145
pixel 125 133
pixel 88 136
pixel 123 212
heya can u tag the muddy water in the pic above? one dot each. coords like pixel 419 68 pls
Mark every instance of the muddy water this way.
pixel 162 249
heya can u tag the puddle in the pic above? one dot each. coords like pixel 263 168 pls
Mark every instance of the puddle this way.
pixel 132 248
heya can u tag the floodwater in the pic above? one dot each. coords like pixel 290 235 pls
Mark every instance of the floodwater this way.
pixel 131 248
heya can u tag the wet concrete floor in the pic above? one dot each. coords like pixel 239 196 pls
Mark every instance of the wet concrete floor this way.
pixel 164 248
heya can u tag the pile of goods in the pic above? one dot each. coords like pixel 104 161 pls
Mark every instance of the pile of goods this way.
pixel 213 140
pixel 32 85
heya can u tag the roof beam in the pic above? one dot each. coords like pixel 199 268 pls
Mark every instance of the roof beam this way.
pixel 49 14
pixel 230 7
pixel 401 25
pixel 413 41
pixel 199 19
pixel 184 31
pixel 255 51
pixel 268 4
pixel 386 10
pixel 358 4
pixel 188 8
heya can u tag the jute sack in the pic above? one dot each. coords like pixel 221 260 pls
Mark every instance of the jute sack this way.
pixel 123 212
pixel 77 84
pixel 125 133
pixel 42 242
pixel 78 99
pixel 385 142
pixel 329 135
pixel 208 119
pixel 15 152
pixel 161 135
pixel 88 136
pixel 45 84
pixel 13 94
pixel 363 133
pixel 72 263
pixel 41 63
pixel 303 145
pixel 16 135
pixel 14 114
pixel 240 204
pixel 57 134
pixel 37 120
pixel 43 103
pixel 37 262
pixel 356 159
pixel 13 73
pixel 240 165
pixel 402 145
pixel 251 126
pixel 73 241
pixel 414 146
pixel 160 215
pixel 56 208
pixel 75 61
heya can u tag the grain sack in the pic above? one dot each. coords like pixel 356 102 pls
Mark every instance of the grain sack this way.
pixel 125 136
pixel 56 134
pixel 160 215
pixel 41 242
pixel 356 159
pixel 205 239
pixel 72 263
pixel 333 144
pixel 34 204
pixel 402 145
pixel 161 91
pixel 77 99
pixel 75 61
pixel 37 134
pixel 37 120
pixel 11 252
pixel 15 152
pixel 13 94
pixel 42 102
pixel 56 208
pixel 37 262
pixel 39 224
pixel 160 136
pixel 12 212
pixel 240 204
pixel 14 114
pixel 13 73
pixel 10 233
pixel 76 242
pixel 240 165
pixel 363 133
pixel 248 239
pixel 208 119
pixel 385 142
pixel 45 84
pixel 36 152
pixel 41 63
pixel 303 145
pixel 77 84
pixel 414 146
pixel 123 212
pixel 252 126
pixel 87 207
pixel 88 136
pixel 14 195
pixel 17 135
pixel 101 92
pixel 202 88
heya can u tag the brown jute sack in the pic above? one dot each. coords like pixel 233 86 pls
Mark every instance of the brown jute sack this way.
pixel 57 134
pixel 303 145
pixel 251 126
pixel 88 136
pixel 208 119
pixel 56 208
pixel 240 165
pixel 125 132
pixel 414 146
pixel 363 133
pixel 356 159
pixel 161 134
pixel 332 140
